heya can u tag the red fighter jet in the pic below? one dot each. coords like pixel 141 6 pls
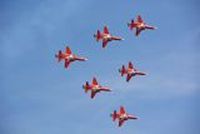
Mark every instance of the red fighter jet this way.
pixel 94 87
pixel 105 36
pixel 122 116
pixel 139 25
pixel 68 56
pixel 130 71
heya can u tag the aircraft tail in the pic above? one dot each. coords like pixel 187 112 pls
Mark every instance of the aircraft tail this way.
pixel 131 25
pixel 122 70
pixel 97 35
pixel 114 115
pixel 86 87
pixel 59 55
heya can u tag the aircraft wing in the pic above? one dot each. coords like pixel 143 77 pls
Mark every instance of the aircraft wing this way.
pixel 105 30
pixel 128 77
pixel 138 31
pixel 122 110
pixel 139 19
pixel 93 94
pixel 68 50
pixel 121 123
pixel 104 44
pixel 67 63
pixel 130 65
pixel 94 81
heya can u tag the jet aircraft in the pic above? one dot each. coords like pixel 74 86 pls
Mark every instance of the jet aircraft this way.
pixel 122 116
pixel 106 37
pixel 68 57
pixel 139 25
pixel 130 71
pixel 95 87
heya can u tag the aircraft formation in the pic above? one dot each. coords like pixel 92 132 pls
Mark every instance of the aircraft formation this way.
pixel 130 71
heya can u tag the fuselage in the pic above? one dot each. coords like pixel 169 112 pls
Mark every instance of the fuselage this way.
pixel 106 37
pixel 131 71
pixel 73 57
pixel 123 117
pixel 140 25
pixel 109 37
pixel 96 88
pixel 70 57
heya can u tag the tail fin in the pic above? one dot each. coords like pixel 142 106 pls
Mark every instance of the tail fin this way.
pixel 59 55
pixel 98 35
pixel 122 70
pixel 114 115
pixel 86 86
pixel 131 25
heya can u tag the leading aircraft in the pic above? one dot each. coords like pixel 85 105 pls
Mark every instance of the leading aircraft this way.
pixel 139 25
pixel 105 36
pixel 95 87
pixel 68 57
pixel 122 116
pixel 130 71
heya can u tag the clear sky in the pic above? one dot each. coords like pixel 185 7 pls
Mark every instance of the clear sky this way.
pixel 39 96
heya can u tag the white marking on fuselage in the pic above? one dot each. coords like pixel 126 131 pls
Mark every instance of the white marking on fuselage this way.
pixel 96 88
pixel 123 116
pixel 106 36
pixel 141 25
pixel 70 57
pixel 130 71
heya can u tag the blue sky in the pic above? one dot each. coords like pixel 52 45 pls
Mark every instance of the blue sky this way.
pixel 39 96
